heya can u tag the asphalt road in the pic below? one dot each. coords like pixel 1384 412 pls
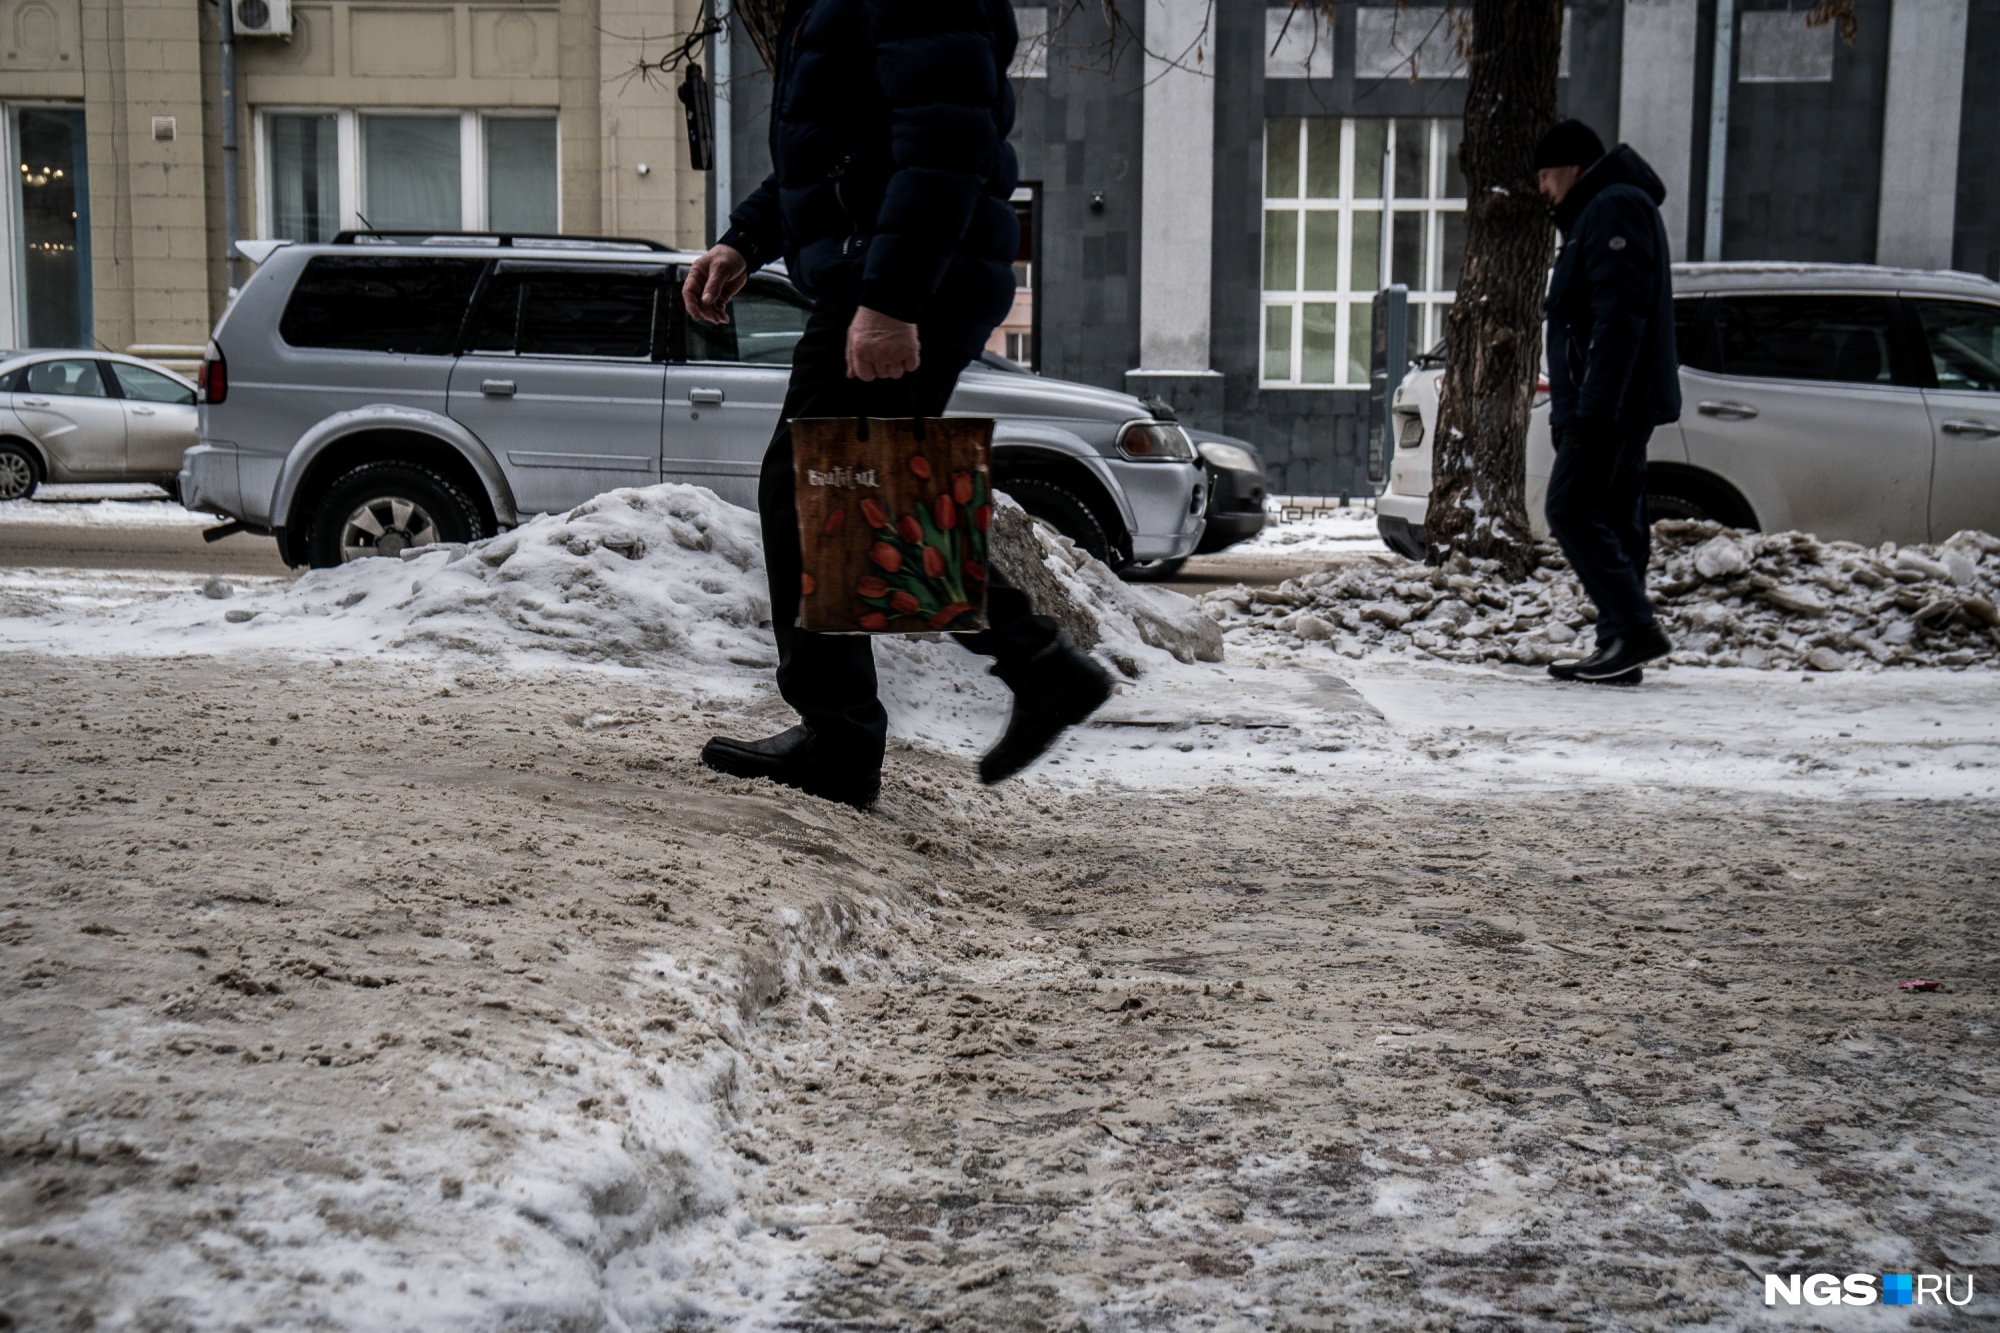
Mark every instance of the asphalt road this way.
pixel 176 547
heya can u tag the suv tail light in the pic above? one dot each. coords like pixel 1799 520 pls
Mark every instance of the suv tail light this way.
pixel 213 377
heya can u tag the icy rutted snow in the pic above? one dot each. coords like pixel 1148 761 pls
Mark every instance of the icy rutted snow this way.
pixel 1781 600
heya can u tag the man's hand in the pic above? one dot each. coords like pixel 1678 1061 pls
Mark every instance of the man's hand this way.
pixel 880 348
pixel 713 282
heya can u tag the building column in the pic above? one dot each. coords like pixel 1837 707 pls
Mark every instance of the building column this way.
pixel 1656 99
pixel 150 245
pixel 579 65
pixel 1177 210
pixel 1920 128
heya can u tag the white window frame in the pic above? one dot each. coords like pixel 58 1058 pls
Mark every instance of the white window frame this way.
pixel 472 122
pixel 1427 303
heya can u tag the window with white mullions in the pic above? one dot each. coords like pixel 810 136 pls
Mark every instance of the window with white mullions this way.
pixel 319 171
pixel 1350 205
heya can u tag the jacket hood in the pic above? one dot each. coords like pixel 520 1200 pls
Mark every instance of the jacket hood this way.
pixel 1620 166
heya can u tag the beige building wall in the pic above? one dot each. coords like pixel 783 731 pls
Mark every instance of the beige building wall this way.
pixel 156 203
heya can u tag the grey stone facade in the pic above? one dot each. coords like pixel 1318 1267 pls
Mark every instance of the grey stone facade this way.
pixel 1803 176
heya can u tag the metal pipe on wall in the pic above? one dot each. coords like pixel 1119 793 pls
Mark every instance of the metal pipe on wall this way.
pixel 1718 127
pixel 232 220
pixel 722 180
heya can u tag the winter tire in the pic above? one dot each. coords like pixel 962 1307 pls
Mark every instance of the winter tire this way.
pixel 20 471
pixel 1684 497
pixel 1061 508
pixel 384 509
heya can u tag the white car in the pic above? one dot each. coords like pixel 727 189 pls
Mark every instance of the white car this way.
pixel 70 416
pixel 1853 402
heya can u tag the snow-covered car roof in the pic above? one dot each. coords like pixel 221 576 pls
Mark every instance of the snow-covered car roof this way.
pixel 1764 276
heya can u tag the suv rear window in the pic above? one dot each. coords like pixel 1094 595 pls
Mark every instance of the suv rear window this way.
pixel 366 303
pixel 599 311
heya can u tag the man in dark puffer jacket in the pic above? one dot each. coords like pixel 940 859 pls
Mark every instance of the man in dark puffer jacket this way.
pixel 889 200
pixel 1613 377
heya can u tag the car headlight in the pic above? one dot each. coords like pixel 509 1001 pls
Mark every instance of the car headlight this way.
pixel 1155 442
pixel 1229 457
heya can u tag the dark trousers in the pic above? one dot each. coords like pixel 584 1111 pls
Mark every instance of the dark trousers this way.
pixel 829 679
pixel 1597 512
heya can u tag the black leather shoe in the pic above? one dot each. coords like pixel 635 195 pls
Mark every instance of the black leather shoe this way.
pixel 1623 653
pixel 1053 691
pixel 795 758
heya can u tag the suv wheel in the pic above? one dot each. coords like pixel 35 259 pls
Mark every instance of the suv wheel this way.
pixel 20 472
pixel 1060 508
pixel 1682 497
pixel 384 509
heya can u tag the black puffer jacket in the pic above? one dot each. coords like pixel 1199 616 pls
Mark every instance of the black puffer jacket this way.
pixel 891 169
pixel 1611 301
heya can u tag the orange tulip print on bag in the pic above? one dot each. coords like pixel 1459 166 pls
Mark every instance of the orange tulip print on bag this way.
pixel 893 522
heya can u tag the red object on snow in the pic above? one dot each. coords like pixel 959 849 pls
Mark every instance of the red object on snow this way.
pixel 1921 983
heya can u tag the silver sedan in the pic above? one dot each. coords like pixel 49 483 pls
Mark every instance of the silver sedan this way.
pixel 71 416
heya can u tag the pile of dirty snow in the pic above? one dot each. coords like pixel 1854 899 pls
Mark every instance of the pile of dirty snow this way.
pixel 1100 611
pixel 1777 601
pixel 660 577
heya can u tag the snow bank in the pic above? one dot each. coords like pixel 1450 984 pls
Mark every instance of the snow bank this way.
pixel 118 505
pixel 664 577
pixel 1775 601
pixel 1101 612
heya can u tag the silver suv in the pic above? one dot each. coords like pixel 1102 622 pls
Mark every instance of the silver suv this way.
pixel 1855 402
pixel 386 391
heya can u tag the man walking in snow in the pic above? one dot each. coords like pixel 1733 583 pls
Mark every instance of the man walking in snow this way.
pixel 889 201
pixel 1613 377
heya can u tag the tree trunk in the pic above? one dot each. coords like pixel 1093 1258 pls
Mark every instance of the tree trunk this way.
pixel 1493 332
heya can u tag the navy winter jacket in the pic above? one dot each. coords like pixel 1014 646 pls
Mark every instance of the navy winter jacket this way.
pixel 1611 301
pixel 891 171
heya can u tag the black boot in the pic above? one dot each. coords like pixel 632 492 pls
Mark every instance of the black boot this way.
pixel 1624 653
pixel 1567 671
pixel 797 758
pixel 1053 691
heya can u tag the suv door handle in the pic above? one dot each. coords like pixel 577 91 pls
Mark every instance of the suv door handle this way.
pixel 142 411
pixel 497 388
pixel 35 402
pixel 1983 429
pixel 705 395
pixel 1727 411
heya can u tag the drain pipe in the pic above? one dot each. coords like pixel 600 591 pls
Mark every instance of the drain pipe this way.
pixel 232 221
pixel 1718 127
pixel 721 181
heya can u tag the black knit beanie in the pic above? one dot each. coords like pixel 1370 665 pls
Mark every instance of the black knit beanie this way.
pixel 1568 143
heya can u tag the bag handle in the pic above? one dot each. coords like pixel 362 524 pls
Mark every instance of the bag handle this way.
pixel 916 420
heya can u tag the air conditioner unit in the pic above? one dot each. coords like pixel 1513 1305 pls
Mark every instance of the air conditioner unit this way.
pixel 262 18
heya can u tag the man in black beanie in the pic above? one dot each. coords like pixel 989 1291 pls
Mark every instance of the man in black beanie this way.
pixel 1613 377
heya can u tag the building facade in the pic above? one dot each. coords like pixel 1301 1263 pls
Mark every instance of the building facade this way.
pixel 1208 218
pixel 388 113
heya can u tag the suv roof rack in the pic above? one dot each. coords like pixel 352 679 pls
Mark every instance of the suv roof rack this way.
pixel 509 238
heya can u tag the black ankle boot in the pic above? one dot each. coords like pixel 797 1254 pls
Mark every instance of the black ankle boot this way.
pixel 1053 691
pixel 797 758
pixel 1624 654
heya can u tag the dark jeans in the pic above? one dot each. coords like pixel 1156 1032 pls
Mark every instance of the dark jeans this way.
pixel 1597 512
pixel 829 679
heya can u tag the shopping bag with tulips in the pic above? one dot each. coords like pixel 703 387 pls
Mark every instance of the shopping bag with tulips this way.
pixel 893 518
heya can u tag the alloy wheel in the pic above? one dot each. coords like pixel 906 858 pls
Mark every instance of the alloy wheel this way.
pixel 388 525
pixel 17 475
